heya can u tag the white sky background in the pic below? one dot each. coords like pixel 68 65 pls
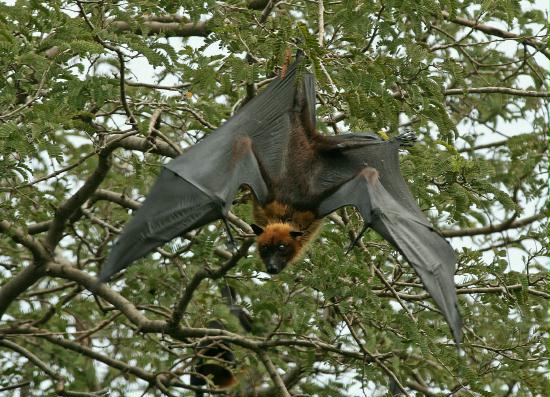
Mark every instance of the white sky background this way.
pixel 141 71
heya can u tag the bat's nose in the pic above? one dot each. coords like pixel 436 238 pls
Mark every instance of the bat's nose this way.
pixel 272 269
pixel 273 266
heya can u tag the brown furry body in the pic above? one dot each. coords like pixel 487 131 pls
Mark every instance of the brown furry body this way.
pixel 289 218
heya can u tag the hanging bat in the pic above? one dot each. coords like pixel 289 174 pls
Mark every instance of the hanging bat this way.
pixel 214 364
pixel 297 177
pixel 215 361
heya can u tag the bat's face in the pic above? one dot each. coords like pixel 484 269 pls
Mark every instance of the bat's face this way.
pixel 278 245
pixel 276 256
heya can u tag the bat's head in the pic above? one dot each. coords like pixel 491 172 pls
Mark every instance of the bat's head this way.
pixel 278 244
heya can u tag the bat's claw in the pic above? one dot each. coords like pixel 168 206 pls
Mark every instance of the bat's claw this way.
pixel 406 139
pixel 232 242
pixel 356 240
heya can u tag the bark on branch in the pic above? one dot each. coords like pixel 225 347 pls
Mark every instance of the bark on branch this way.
pixel 493 31
pixel 494 228
pixel 465 291
pixel 179 27
pixel 274 375
pixel 496 90
pixel 66 209
pixel 19 236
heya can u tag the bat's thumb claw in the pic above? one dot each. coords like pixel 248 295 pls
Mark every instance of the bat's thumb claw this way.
pixel 356 240
pixel 231 241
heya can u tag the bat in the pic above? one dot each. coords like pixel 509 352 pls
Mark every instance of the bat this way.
pixel 297 177
pixel 214 363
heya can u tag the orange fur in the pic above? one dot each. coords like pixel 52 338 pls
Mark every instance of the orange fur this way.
pixel 276 233
pixel 275 210
pixel 279 219
pixel 229 382
pixel 303 219
pixel 279 233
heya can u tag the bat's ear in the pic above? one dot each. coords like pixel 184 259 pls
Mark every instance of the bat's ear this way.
pixel 257 229
pixel 296 234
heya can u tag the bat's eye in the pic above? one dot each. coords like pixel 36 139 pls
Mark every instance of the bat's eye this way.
pixel 281 247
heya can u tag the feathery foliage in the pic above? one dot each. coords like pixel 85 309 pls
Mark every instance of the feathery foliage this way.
pixel 97 95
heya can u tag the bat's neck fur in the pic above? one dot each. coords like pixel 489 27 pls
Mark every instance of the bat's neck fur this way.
pixel 279 219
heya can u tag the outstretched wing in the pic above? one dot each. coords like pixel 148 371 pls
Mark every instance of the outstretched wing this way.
pixel 384 201
pixel 173 206
pixel 198 187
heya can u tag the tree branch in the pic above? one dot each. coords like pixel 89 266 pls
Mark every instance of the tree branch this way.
pixel 494 228
pixel 484 146
pixel 19 236
pixel 146 145
pixel 111 362
pixel 28 276
pixel 19 284
pixel 464 291
pixel 92 284
pixel 290 378
pixel 496 90
pixel 493 31
pixel 65 210
pixel 190 288
pixel 31 357
pixel 179 27
pixel 120 199
pixel 273 374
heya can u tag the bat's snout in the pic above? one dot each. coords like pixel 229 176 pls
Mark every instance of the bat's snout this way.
pixel 274 265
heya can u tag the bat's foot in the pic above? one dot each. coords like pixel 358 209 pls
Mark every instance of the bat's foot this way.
pixel 355 142
pixel 346 142
pixel 406 139
pixel 353 145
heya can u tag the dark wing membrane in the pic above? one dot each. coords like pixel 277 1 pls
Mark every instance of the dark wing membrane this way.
pixel 382 197
pixel 173 207
pixel 198 187
pixel 266 122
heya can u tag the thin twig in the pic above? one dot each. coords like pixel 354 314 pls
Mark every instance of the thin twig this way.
pixel 374 31
pixel 33 99
pixel 15 386
pixel 31 357
pixel 321 23
pixel 496 90
pixel 493 31
pixel 494 228
pixel 388 371
pixel 177 87
pixel 273 374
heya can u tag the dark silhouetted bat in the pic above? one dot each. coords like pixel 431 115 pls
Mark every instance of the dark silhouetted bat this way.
pixel 214 364
pixel 297 177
